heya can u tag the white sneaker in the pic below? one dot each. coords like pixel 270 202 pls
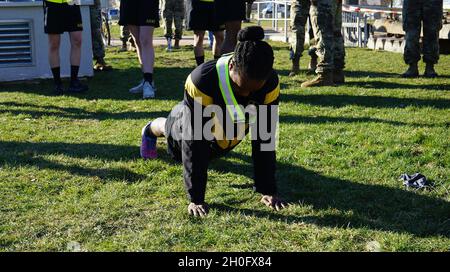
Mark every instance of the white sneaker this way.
pixel 138 89
pixel 148 90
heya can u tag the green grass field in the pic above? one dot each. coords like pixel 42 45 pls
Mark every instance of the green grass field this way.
pixel 70 172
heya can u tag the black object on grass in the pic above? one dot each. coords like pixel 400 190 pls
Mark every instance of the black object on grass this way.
pixel 416 181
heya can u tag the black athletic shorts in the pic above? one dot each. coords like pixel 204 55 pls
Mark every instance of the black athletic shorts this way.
pixel 174 131
pixel 174 125
pixel 201 15
pixel 60 18
pixel 230 10
pixel 139 13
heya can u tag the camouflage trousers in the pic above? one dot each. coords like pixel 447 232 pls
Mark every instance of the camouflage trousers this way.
pixel 326 21
pixel 299 16
pixel 248 9
pixel 98 48
pixel 415 14
pixel 173 13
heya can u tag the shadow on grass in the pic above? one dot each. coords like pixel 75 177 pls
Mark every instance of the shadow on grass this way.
pixel 376 84
pixel 336 101
pixel 18 154
pixel 38 111
pixel 363 74
pixel 294 119
pixel 372 74
pixel 114 85
pixel 369 84
pixel 365 206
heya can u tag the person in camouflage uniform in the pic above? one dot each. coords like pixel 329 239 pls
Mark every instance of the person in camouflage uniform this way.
pixel 125 37
pixel 415 13
pixel 299 16
pixel 248 10
pixel 173 12
pixel 326 20
pixel 98 48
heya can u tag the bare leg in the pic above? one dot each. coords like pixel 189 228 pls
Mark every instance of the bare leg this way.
pixel 158 127
pixel 198 43
pixel 218 42
pixel 54 41
pixel 75 47
pixel 232 28
pixel 134 30
pixel 146 49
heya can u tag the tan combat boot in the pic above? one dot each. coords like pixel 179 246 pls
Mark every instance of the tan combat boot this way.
pixel 413 71
pixel 338 76
pixel 429 71
pixel 322 79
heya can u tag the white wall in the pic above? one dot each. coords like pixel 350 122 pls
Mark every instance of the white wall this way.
pixel 33 11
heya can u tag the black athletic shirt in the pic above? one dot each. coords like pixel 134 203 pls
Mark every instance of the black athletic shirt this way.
pixel 203 82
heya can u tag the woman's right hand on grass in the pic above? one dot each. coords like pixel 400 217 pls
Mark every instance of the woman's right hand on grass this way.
pixel 198 209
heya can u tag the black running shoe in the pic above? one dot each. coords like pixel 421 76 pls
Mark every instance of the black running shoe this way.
pixel 77 87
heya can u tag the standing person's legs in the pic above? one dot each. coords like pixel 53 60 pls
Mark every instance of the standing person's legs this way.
pixel 98 47
pixel 75 59
pixel 322 19
pixel 134 31
pixel 75 47
pixel 231 13
pixel 432 24
pixel 147 51
pixel 312 50
pixel 168 15
pixel 143 37
pixel 54 26
pixel 147 20
pixel 248 11
pixel 54 41
pixel 339 49
pixel 124 36
pixel 135 35
pixel 199 52
pixel 300 12
pixel 412 23
pixel 178 20
pixel 322 22
pixel 231 29
pixel 73 24
pixel 217 44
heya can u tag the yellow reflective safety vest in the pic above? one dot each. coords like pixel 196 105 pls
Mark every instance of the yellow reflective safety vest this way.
pixel 223 72
pixel 58 1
